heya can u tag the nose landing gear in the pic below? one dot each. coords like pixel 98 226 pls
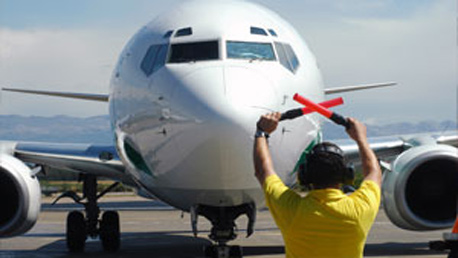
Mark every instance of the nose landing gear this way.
pixel 223 227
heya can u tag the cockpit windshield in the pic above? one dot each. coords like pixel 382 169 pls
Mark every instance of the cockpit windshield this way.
pixel 250 50
pixel 195 51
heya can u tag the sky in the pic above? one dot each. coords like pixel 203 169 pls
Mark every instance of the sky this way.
pixel 73 46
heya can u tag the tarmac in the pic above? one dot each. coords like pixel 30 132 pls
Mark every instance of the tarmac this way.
pixel 153 229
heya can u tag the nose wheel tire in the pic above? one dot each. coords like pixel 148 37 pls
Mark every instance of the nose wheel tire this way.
pixel 223 251
pixel 110 232
pixel 76 232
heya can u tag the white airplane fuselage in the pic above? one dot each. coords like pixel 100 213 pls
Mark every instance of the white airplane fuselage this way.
pixel 187 92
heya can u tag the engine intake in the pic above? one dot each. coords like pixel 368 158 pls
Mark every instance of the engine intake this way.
pixel 21 197
pixel 421 191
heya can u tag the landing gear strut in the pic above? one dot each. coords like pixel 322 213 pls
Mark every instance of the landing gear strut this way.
pixel 223 227
pixel 79 227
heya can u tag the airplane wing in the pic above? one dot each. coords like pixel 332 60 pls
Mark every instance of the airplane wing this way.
pixel 358 87
pixel 78 158
pixel 105 97
pixel 72 95
pixel 448 139
pixel 389 147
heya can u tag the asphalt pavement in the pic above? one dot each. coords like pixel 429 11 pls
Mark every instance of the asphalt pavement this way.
pixel 153 229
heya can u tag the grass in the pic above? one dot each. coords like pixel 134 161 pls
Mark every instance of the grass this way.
pixel 63 186
pixel 57 186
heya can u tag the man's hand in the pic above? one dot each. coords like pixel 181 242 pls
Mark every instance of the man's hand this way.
pixel 269 122
pixel 357 130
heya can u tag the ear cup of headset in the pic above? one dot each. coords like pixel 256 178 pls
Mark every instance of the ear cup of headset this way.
pixel 304 178
pixel 349 175
pixel 301 175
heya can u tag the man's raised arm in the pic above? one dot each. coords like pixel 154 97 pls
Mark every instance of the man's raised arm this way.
pixel 371 168
pixel 262 159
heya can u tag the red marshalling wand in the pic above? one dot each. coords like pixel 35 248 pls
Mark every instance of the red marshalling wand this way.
pixel 320 108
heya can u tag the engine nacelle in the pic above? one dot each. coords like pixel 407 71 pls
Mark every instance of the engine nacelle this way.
pixel 21 197
pixel 421 191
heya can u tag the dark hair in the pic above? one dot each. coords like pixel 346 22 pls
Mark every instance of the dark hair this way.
pixel 325 166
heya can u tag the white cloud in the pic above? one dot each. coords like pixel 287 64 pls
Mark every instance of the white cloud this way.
pixel 415 47
pixel 418 51
pixel 62 60
pixel 361 5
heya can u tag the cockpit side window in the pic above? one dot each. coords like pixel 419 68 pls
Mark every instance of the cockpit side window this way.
pixel 250 50
pixel 160 57
pixel 287 56
pixel 148 60
pixel 168 34
pixel 282 55
pixel 195 51
pixel 291 57
pixel 154 59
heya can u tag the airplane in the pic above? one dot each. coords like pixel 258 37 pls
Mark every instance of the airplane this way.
pixel 184 98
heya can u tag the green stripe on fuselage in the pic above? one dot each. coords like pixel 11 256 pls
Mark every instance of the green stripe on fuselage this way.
pixel 301 160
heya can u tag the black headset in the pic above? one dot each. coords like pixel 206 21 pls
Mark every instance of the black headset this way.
pixel 306 179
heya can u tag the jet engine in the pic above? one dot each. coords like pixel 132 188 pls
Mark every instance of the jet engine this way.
pixel 421 190
pixel 21 197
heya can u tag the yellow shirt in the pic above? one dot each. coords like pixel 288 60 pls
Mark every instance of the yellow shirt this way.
pixel 324 223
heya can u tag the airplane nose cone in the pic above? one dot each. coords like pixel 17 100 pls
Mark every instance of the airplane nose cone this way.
pixel 235 94
pixel 247 88
pixel 214 112
pixel 200 94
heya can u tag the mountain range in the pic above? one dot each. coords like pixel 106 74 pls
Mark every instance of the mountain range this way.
pixel 97 129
